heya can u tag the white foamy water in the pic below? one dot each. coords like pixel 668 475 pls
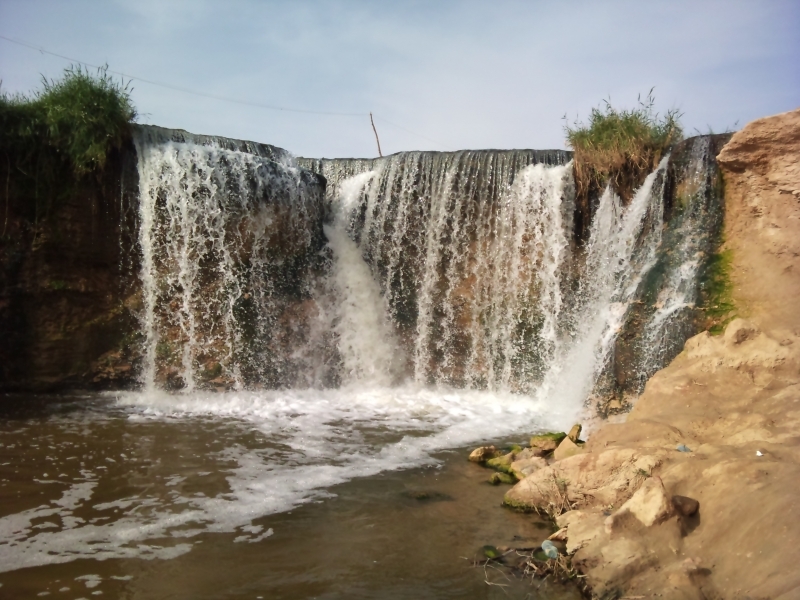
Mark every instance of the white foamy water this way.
pixel 358 314
pixel 266 452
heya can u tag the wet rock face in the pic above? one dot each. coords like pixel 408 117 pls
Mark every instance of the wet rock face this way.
pixel 669 308
pixel 231 238
pixel 73 297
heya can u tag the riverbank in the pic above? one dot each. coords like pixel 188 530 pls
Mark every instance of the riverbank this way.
pixel 719 425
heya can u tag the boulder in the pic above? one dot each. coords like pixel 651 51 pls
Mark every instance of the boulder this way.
pixel 586 479
pixel 547 441
pixel 566 449
pixel 521 468
pixel 575 433
pixel 650 505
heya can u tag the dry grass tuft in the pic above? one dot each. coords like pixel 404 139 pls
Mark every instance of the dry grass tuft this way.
pixel 620 147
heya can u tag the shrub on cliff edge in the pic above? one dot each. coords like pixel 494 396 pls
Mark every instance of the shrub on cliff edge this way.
pixel 81 116
pixel 58 135
pixel 620 147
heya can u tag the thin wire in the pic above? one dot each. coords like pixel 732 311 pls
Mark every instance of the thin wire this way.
pixel 213 96
pixel 185 90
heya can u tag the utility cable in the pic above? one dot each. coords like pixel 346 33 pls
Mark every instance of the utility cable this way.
pixel 184 90
pixel 212 96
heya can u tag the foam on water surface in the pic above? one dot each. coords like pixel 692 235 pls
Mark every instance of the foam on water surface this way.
pixel 230 459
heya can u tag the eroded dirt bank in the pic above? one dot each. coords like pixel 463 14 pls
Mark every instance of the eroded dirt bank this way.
pixel 719 425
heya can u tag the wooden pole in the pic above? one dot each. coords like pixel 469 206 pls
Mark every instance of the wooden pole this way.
pixel 376 135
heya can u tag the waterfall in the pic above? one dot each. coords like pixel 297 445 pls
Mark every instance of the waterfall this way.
pixel 227 234
pixel 469 249
pixel 451 270
pixel 366 342
pixel 622 247
pixel 479 273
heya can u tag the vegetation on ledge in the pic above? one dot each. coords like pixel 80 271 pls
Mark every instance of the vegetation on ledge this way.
pixel 620 147
pixel 54 137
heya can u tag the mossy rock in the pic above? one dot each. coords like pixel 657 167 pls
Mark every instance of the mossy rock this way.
pixel 518 505
pixel 502 478
pixel 502 463
pixel 491 552
pixel 548 441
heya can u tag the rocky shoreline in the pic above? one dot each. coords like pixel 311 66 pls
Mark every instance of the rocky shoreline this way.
pixel 696 495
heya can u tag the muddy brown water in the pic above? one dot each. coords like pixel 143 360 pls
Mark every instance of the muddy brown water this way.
pixel 96 504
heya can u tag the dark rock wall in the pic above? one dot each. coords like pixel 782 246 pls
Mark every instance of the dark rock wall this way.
pixel 64 281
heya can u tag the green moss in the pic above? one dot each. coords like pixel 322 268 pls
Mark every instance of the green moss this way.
pixel 505 478
pixel 519 505
pixel 552 436
pixel 717 292
pixel 501 463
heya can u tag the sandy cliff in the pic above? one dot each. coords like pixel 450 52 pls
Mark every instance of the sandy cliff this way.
pixel 731 403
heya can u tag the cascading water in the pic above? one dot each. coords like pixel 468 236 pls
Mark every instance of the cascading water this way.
pixel 227 240
pixel 621 250
pixel 494 294
pixel 469 249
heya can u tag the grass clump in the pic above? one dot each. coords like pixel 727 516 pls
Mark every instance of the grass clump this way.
pixel 620 147
pixel 54 137
pixel 716 290
pixel 82 117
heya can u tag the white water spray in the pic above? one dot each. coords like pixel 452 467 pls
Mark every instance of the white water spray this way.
pixel 367 346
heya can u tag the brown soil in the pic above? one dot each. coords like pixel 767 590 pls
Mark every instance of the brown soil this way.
pixel 732 400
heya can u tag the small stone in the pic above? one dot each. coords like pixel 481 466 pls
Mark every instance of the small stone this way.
pixel 566 449
pixel 575 433
pixel 559 536
pixel 685 505
pixel 614 405
pixel 547 441
pixel 484 453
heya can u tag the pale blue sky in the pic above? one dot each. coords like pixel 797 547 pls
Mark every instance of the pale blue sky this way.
pixel 457 73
